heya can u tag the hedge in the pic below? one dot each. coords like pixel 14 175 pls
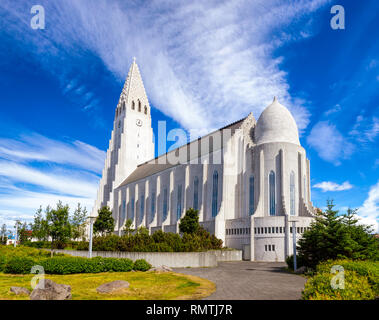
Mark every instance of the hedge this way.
pixel 361 280
pixel 21 259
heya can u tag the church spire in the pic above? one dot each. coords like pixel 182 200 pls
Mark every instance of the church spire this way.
pixel 133 86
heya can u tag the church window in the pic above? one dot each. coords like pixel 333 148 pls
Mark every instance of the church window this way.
pixel 142 207
pixel 251 195
pixel 272 193
pixel 269 247
pixel 273 230
pixel 123 106
pixel 273 247
pixel 165 203
pixel 119 124
pixel 132 210
pixel 265 229
pixel 123 211
pixel 179 203
pixel 292 194
pixel 265 247
pixel 277 229
pixel 215 193
pixel 262 230
pixel 196 193
pixel 133 105
pixel 139 106
pixel 145 110
pixel 152 205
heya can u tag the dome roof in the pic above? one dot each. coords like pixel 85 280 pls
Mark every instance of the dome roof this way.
pixel 276 124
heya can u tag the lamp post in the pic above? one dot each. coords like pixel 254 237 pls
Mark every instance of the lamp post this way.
pixel 91 221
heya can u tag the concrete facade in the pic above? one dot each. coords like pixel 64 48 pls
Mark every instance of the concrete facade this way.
pixel 170 259
pixel 249 180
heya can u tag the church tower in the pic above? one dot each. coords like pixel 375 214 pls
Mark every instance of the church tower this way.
pixel 131 142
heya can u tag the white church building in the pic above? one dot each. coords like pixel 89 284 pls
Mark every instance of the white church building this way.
pixel 249 181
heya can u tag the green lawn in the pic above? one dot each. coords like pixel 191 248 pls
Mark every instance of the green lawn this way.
pixel 143 286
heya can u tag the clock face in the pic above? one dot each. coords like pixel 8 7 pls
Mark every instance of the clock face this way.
pixel 139 122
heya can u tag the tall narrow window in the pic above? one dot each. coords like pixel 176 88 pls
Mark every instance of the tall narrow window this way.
pixel 272 193
pixel 215 193
pixel 132 209
pixel 152 206
pixel 196 193
pixel 165 202
pixel 179 203
pixel 133 105
pixel 123 106
pixel 123 211
pixel 251 195
pixel 145 110
pixel 292 194
pixel 142 207
pixel 139 106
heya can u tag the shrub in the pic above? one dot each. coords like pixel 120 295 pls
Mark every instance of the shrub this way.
pixel 299 262
pixel 357 287
pixel 117 265
pixel 141 265
pixel 19 265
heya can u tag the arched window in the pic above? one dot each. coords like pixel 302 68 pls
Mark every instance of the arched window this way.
pixel 179 203
pixel 292 193
pixel 152 205
pixel 196 193
pixel 139 106
pixel 165 204
pixel 215 193
pixel 132 209
pixel 133 105
pixel 142 207
pixel 272 193
pixel 251 195
pixel 145 110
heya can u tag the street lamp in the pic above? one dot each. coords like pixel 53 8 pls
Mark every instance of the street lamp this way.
pixel 294 243
pixel 91 221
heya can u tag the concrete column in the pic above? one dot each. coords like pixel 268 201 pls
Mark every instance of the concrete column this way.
pixel 136 211
pixel 154 222
pixel 252 242
pixel 146 216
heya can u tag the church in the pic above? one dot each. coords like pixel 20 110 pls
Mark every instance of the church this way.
pixel 249 181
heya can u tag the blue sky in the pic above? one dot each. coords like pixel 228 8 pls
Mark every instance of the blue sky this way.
pixel 204 64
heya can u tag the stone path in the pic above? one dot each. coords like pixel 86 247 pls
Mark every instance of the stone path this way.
pixel 246 280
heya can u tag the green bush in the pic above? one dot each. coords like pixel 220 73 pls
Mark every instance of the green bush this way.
pixel 141 265
pixel 299 262
pixel 368 269
pixel 357 287
pixel 19 265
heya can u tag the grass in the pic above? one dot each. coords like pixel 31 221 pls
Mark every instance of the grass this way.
pixel 143 286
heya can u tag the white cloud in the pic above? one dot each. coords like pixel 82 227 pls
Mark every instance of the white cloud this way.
pixel 205 63
pixel 329 142
pixel 369 211
pixel 36 170
pixel 36 147
pixel 332 186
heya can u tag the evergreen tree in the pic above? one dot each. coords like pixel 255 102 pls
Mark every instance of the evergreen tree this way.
pixel 190 222
pixel 104 223
pixel 128 227
pixel 333 236
pixel 39 226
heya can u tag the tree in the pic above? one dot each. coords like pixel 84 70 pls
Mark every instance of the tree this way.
pixel 190 222
pixel 333 236
pixel 104 223
pixel 3 233
pixel 39 226
pixel 78 222
pixel 23 232
pixel 59 228
pixel 128 227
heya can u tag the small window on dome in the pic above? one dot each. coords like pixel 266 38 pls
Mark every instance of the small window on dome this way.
pixel 145 110
pixel 133 105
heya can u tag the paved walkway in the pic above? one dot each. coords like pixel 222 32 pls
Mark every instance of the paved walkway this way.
pixel 246 280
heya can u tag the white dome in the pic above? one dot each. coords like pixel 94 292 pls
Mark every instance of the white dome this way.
pixel 276 124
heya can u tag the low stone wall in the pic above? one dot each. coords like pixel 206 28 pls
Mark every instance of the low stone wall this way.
pixel 170 259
